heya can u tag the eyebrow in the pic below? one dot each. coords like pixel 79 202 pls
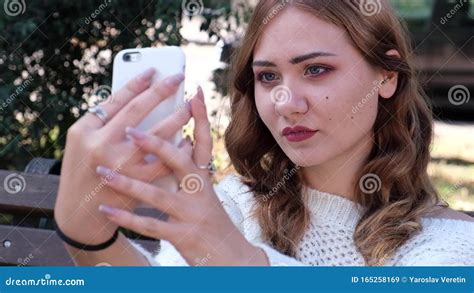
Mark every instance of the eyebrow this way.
pixel 295 60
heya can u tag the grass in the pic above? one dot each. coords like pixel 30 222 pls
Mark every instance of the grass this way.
pixel 452 166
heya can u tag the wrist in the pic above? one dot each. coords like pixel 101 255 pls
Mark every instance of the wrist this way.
pixel 84 246
pixel 90 231
pixel 254 256
pixel 261 258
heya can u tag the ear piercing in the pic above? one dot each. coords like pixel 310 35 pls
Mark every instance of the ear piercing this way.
pixel 385 80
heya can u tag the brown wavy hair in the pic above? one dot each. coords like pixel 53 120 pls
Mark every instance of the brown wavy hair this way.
pixel 399 156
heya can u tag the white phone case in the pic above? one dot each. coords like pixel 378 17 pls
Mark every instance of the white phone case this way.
pixel 167 61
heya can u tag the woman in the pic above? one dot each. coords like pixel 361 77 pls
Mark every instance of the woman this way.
pixel 330 138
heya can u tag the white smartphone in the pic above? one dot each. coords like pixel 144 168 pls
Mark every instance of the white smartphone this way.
pixel 167 61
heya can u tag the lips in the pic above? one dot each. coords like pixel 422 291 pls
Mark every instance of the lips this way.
pixel 296 129
pixel 298 133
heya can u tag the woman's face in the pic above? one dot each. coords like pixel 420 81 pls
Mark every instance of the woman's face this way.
pixel 307 73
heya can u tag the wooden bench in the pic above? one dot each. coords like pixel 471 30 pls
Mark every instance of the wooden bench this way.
pixel 26 217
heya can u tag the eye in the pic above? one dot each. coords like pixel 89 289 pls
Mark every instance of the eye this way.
pixel 316 70
pixel 267 77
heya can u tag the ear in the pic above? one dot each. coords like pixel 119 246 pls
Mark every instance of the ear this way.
pixel 390 79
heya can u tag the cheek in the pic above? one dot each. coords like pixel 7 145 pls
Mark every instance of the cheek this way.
pixel 265 109
pixel 363 105
pixel 350 114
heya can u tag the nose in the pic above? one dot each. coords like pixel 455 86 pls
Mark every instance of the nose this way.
pixel 289 103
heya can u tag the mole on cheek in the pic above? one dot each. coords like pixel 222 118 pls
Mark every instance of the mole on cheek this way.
pixel 327 98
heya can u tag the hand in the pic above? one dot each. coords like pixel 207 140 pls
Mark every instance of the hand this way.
pixel 198 226
pixel 91 143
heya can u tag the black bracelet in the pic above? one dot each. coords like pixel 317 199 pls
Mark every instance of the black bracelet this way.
pixel 87 247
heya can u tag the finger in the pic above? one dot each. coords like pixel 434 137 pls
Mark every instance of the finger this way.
pixel 152 171
pixel 173 123
pixel 145 226
pixel 139 190
pixel 202 131
pixel 167 128
pixel 187 147
pixel 122 97
pixel 135 111
pixel 170 155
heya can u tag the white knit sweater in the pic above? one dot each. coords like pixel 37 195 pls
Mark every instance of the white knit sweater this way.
pixel 329 241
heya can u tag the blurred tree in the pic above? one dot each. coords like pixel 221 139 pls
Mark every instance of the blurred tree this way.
pixel 54 55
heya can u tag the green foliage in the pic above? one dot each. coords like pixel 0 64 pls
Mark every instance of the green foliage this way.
pixel 57 53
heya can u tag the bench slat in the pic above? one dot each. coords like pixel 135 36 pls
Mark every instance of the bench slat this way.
pixel 39 196
pixel 38 247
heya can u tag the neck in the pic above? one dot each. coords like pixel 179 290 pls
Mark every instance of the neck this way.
pixel 338 175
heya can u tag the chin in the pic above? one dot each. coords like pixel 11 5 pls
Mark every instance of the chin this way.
pixel 307 158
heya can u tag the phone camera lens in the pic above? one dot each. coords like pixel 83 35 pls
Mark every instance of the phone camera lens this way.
pixel 126 57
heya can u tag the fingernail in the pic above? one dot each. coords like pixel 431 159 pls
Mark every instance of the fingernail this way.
pixel 188 140
pixel 104 171
pixel 135 133
pixel 174 80
pixel 108 210
pixel 146 75
pixel 200 94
